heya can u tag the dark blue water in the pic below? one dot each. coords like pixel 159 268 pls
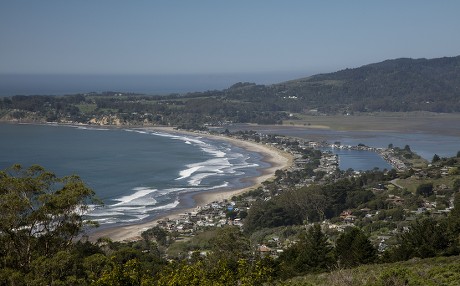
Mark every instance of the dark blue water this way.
pixel 360 160
pixel 60 84
pixel 138 174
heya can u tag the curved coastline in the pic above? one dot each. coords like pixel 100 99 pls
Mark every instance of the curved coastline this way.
pixel 276 159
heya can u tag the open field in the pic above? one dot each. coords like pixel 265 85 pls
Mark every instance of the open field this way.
pixel 432 271
pixel 411 183
pixel 437 123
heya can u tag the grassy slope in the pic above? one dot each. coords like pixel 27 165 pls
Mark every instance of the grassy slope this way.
pixel 433 271
pixel 411 184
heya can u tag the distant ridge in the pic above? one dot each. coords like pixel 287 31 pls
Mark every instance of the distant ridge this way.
pixel 400 85
pixel 393 85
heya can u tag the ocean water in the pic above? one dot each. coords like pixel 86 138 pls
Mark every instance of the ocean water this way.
pixel 60 84
pixel 142 174
pixel 138 174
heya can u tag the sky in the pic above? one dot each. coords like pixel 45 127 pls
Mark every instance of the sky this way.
pixel 220 37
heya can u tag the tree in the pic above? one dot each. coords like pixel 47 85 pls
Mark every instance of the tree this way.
pixel 267 214
pixel 435 159
pixel 313 253
pixel 245 273
pixel 41 214
pixel 307 203
pixel 354 248
pixel 453 171
pixel 456 185
pixel 425 189
pixel 160 235
pixel 130 273
pixel 230 243
pixel 453 226
pixel 407 148
pixel 426 238
pixel 95 265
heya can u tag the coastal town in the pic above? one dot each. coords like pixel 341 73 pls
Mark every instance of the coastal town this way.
pixel 216 143
pixel 322 167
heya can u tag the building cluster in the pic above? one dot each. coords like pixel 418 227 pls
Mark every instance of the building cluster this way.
pixel 389 156
pixel 215 214
pixel 218 214
pixel 229 212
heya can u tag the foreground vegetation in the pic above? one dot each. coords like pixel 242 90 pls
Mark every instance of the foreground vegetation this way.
pixel 429 272
pixel 41 242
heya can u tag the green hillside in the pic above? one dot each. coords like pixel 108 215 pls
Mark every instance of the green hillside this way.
pixel 432 271
pixel 393 85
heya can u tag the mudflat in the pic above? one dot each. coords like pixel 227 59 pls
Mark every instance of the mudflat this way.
pixel 428 122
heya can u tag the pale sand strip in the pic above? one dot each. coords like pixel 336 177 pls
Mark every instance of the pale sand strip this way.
pixel 276 158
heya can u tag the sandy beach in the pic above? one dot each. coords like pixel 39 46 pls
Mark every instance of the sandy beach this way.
pixel 277 159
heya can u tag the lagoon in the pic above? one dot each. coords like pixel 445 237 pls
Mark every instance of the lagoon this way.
pixel 425 144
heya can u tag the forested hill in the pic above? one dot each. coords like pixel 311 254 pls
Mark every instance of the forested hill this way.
pixel 392 85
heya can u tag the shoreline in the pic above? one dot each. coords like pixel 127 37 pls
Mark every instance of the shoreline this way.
pixel 276 159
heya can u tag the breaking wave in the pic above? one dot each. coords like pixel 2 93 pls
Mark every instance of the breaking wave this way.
pixel 222 166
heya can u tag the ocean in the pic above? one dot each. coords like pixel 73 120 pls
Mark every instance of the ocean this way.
pixel 138 174
pixel 154 84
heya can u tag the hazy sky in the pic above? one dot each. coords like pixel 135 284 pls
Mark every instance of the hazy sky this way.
pixel 232 36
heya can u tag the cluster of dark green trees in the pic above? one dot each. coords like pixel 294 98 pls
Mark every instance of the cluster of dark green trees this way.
pixel 317 202
pixel 314 252
pixel 45 108
pixel 191 112
pixel 41 215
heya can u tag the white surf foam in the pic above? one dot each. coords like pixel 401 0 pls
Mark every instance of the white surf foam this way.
pixel 105 220
pixel 196 179
pixel 140 193
pixel 224 185
pixel 128 209
pixel 143 202
pixel 188 172
pixel 184 138
pixel 199 171
pixel 213 151
pixel 107 213
pixel 168 206
pixel 91 128
pixel 136 131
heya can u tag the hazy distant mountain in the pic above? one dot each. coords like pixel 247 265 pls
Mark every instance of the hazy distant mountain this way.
pixel 392 85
